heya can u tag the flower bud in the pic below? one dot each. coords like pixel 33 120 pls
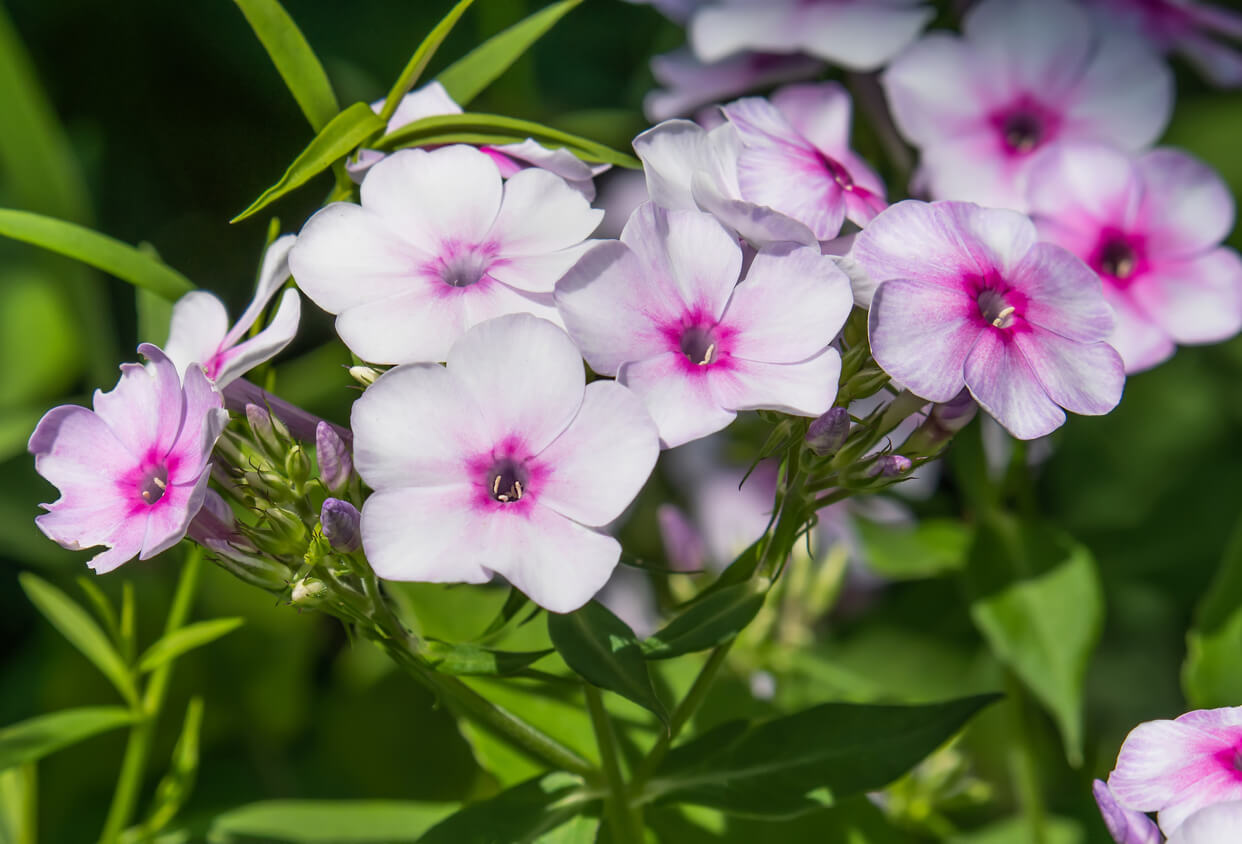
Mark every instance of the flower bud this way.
pixel 335 463
pixel 340 521
pixel 308 592
pixel 828 433
pixel 941 424
pixel 269 432
pixel 869 381
pixel 297 466
pixel 889 466
pixel 281 532
pixel 364 375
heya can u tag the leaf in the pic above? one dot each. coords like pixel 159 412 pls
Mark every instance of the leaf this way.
pixel 100 251
pixel 19 811
pixel 187 638
pixel 523 814
pixel 1018 831
pixel 1212 672
pixel 466 78
pixel 27 741
pixel 603 649
pixel 472 659
pixel 513 605
pixel 294 59
pixel 82 632
pixel 327 821
pixel 714 620
pixel 336 140
pixel 175 787
pixel 154 317
pixel 801 762
pixel 581 830
pixel 1036 599
pixel 422 56
pixel 496 129
pixel 930 548
pixel 103 607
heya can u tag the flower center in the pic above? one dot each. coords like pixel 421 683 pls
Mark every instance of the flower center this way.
pixel 463 269
pixel 1118 260
pixel 1022 131
pixel 506 482
pixel 699 345
pixel 834 169
pixel 995 309
pixel 153 484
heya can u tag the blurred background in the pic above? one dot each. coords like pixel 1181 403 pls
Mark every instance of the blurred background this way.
pixel 158 122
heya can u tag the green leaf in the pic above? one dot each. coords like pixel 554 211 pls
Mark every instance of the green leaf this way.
pixel 930 548
pixel 495 129
pixel 581 830
pixel 1018 831
pixel 103 607
pixel 524 814
pixel 422 56
pixel 714 620
pixel 82 632
pixel 19 810
pixel 514 604
pixel 27 741
pixel 294 59
pixel 801 762
pixel 466 78
pixel 100 251
pixel 187 638
pixel 336 140
pixel 154 317
pixel 175 787
pixel 1212 673
pixel 473 659
pixel 327 821
pixel 603 650
pixel 1036 599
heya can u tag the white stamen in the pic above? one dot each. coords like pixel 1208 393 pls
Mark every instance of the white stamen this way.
pixel 159 483
pixel 496 486
pixel 517 487
pixel 707 356
pixel 1003 317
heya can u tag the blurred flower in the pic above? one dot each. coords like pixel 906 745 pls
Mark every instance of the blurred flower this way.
pixel 1125 825
pixel 1025 74
pixel 690 83
pixel 133 473
pixel 662 310
pixel 502 462
pixel 1151 228
pixel 967 297
pixel 200 334
pixel 1198 32
pixel 439 244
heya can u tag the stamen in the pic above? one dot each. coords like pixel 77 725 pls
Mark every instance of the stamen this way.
pixel 146 495
pixel 517 487
pixel 708 355
pixel 496 486
pixel 159 483
pixel 1003 316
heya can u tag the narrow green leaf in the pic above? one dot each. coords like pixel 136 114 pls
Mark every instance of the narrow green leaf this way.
pixel 1036 599
pixel 19 809
pixel 604 651
pixel 451 658
pixel 422 56
pixel 100 251
pixel 103 607
pixel 187 638
pixel 1212 673
pixel 524 814
pixel 707 623
pixel 513 605
pixel 930 548
pixel 294 59
pixel 328 822
pixel 154 317
pixel 336 140
pixel 84 634
pixel 814 758
pixel 498 129
pixel 27 741
pixel 175 787
pixel 466 78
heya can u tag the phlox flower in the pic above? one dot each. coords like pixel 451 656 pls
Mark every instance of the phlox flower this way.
pixel 132 473
pixel 1024 74
pixel 690 83
pixel 200 333
pixel 661 310
pixel 855 34
pixel 1151 228
pixel 440 243
pixel 1199 32
pixel 504 462
pixel 967 297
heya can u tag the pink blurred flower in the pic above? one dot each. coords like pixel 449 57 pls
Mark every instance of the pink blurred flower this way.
pixel 967 297
pixel 662 310
pixel 440 243
pixel 504 462
pixel 1199 32
pixel 690 83
pixel 1025 74
pixel 200 330
pixel 133 473
pixel 1151 228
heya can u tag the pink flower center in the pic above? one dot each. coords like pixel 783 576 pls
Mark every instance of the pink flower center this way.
pixel 700 345
pixel 152 483
pixel 463 266
pixel 1118 258
pixel 835 170
pixel 1025 125
pixel 999 306
pixel 508 480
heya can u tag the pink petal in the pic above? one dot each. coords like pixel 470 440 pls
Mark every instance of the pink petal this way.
pixel 144 409
pixel 1003 383
pixel 168 519
pixel 1085 378
pixel 973 167
pixel 921 334
pixel 806 388
pixel 429 534
pixel 1125 96
pixel 197 330
pixel 1140 341
pixel 204 420
pixel 597 466
pixel 74 447
pixel 265 345
pixel 1198 300
pixel 996 238
pixel 1063 294
pixel 914 239
pixel 273 274
pixel 560 162
pixel 537 274
pixel 932 89
pixel 758 224
pixel 682 404
pixel 541 213
pixel 124 543
pixel 793 182
pixel 1082 188
pixel 1187 207
pixel 1028 45
pixel 1125 825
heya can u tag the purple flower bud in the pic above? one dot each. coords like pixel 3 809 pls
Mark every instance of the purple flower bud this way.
pixel 683 545
pixel 828 433
pixel 956 413
pixel 263 427
pixel 889 466
pixel 335 463
pixel 340 525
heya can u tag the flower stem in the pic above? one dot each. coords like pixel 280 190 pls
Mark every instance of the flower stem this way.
pixel 1024 764
pixel 625 820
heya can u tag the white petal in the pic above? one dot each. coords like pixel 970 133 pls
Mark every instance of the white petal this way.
pixel 1197 300
pixel 671 153
pixel 417 325
pixel 541 213
pixel 1187 207
pixel 932 89
pixel 273 273
pixel 428 534
pixel 679 400
pixel 807 388
pixel 1220 823
pixel 1125 96
pixel 199 323
pixel 1029 45
pixel 263 346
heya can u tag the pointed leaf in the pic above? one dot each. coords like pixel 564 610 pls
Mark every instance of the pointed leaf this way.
pixel 19 810
pixel 604 651
pixel 930 548
pixel 523 814
pixel 513 605
pixel 466 78
pixel 35 738
pixel 175 787
pixel 294 59
pixel 328 822
pixel 82 632
pixel 1036 599
pixel 714 620
pixel 472 659
pixel 1212 673
pixel 187 638
pixel 103 607
pixel 100 251
pixel 422 56
pixel 335 141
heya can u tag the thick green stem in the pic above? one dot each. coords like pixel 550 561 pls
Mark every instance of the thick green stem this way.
pixel 625 820
pixel 1025 765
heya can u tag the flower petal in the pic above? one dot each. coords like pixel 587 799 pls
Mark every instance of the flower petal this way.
pixel 1137 337
pixel 541 213
pixel 418 325
pixel 204 419
pixel 1063 294
pixel 144 409
pixel 1028 45
pixel 930 89
pixel 921 334
pixel 671 152
pixel 806 388
pixel 273 273
pixel 1198 300
pixel 1220 823
pixel 913 239
pixel 682 404
pixel 197 329
pixel 1082 188
pixel 429 534
pixel 1125 96
pixel 1125 825
pixel 1003 383
pixel 168 519
pixel 1187 208
pixel 1085 378
pixel 262 347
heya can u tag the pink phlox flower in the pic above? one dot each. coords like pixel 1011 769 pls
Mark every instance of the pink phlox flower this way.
pixel 200 333
pixel 132 473
pixel 440 243
pixel 1024 74
pixel 856 34
pixel 966 296
pixel 504 462
pixel 432 100
pixel 690 83
pixel 1176 768
pixel 796 158
pixel 1151 228
pixel 662 310
pixel 1199 32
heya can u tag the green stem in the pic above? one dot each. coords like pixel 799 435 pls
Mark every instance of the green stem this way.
pixel 138 747
pixel 1025 765
pixel 625 820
